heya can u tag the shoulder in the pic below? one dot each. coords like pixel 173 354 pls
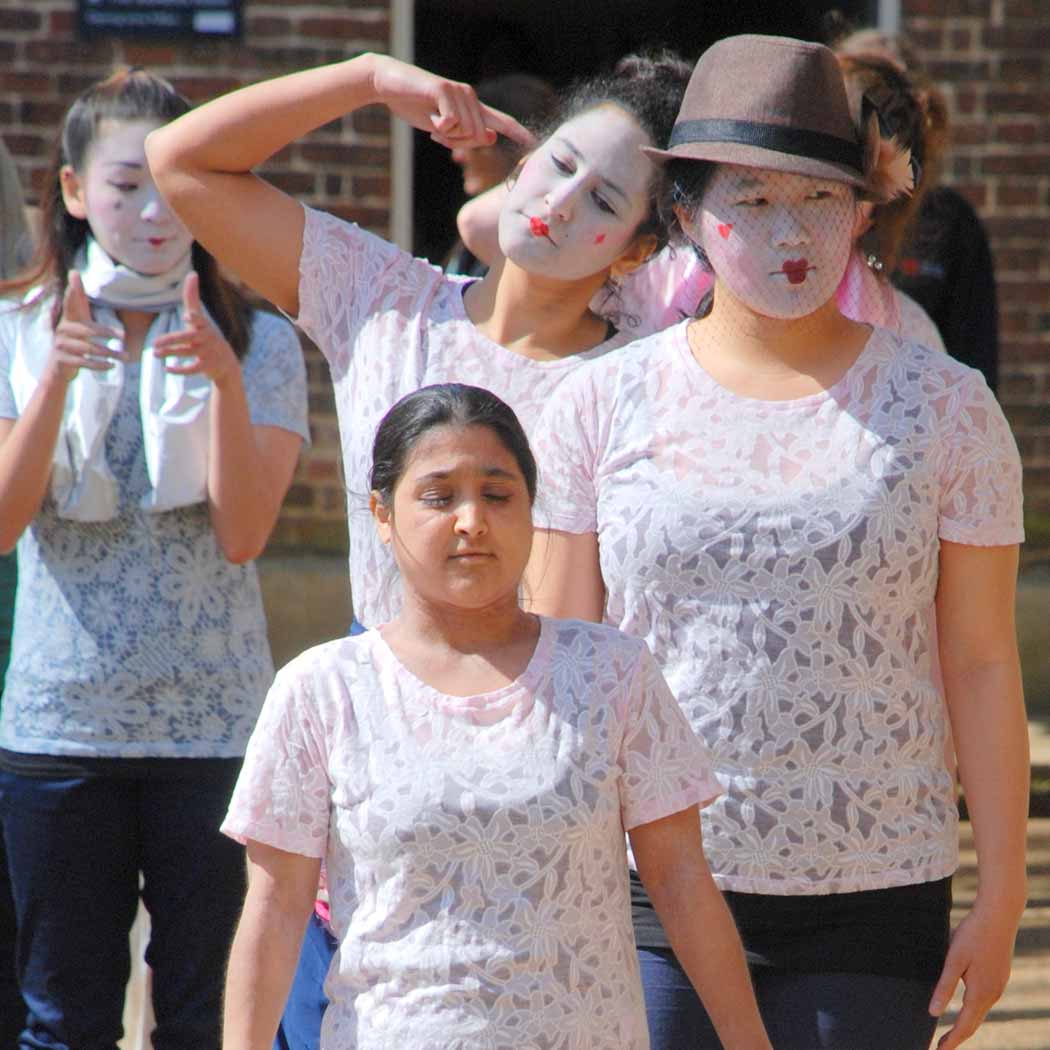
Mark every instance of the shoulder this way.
pixel 315 670
pixel 272 334
pixel 916 325
pixel 578 639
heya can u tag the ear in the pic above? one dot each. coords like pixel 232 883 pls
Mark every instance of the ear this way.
pixel 382 516
pixel 864 218
pixel 687 220
pixel 72 192
pixel 639 250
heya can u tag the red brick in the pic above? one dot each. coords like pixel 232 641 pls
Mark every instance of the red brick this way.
pixel 955 70
pixel 1016 196
pixel 61 22
pixel 54 53
pixel 1016 37
pixel 975 192
pixel 1025 69
pixel 42 114
pixel 266 25
pixel 345 29
pixel 297 183
pixel 37 83
pixel 333 185
pixel 371 120
pixel 1024 132
pixel 971 134
pixel 19 20
pixel 1026 163
pixel 371 186
pixel 201 88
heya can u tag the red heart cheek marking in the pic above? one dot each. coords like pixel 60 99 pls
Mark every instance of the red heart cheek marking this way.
pixel 600 238
pixel 725 229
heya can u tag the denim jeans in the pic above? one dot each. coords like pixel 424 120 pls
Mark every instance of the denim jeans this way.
pixel 802 1011
pixel 76 847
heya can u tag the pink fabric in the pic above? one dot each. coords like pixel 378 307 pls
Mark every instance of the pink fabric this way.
pixel 780 559
pixel 670 286
pixel 475 845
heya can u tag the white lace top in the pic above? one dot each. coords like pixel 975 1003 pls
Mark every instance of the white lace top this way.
pixel 474 845
pixel 388 324
pixel 780 558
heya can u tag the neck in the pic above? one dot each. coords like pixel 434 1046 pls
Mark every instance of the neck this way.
pixel 460 630
pixel 536 316
pixel 136 325
pixel 772 343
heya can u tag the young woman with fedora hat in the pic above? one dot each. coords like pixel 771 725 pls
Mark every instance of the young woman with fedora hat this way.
pixel 777 499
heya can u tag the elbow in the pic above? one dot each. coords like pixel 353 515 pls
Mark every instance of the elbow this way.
pixel 163 159
pixel 242 550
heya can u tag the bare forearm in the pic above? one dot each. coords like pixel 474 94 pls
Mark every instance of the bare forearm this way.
pixel 243 495
pixel 25 458
pixel 262 964
pixel 991 737
pixel 705 940
pixel 238 131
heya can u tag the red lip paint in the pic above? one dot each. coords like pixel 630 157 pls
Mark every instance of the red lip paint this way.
pixel 539 227
pixel 725 229
pixel 795 270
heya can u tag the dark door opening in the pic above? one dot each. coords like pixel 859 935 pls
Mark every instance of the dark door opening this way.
pixel 562 40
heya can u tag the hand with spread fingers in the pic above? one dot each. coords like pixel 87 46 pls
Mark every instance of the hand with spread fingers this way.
pixel 198 340
pixel 449 110
pixel 79 341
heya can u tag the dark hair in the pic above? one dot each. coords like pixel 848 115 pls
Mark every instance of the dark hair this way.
pixel 441 405
pixel 526 98
pixel 129 94
pixel 648 86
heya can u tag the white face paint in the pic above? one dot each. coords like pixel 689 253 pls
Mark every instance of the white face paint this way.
pixel 577 201
pixel 116 194
pixel 778 242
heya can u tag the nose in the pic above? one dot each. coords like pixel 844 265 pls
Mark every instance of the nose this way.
pixel 470 518
pixel 560 200
pixel 155 208
pixel 788 230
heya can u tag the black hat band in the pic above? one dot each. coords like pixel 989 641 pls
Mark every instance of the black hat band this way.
pixel 817 145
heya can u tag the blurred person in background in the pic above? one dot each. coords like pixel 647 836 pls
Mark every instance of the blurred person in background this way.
pixel 15 249
pixel 529 100
pixel 945 263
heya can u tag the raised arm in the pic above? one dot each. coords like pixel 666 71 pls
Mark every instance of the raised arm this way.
pixel 671 864
pixel 478 223
pixel 982 680
pixel 281 891
pixel 203 161
pixel 27 444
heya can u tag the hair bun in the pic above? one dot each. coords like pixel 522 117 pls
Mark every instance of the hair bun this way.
pixel 657 66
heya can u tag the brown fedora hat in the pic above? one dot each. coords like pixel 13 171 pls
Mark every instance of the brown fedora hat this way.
pixel 768 102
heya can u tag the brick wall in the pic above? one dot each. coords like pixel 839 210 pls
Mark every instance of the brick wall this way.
pixel 343 167
pixel 993 58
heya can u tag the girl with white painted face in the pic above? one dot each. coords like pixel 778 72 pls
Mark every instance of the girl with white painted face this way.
pixel 582 209
pixel 149 427
pixel 776 498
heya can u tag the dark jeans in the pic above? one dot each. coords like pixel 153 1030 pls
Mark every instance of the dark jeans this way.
pixel 12 1007
pixel 802 1011
pixel 75 849
pixel 301 1024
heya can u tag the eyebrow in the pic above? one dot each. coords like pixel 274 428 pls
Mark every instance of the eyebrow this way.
pixel 126 164
pixel 579 156
pixel 488 472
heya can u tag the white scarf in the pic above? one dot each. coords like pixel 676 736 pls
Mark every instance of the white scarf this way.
pixel 175 425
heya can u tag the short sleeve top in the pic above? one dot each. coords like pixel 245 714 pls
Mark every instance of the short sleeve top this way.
pixel 780 558
pixel 135 637
pixel 474 845
pixel 388 324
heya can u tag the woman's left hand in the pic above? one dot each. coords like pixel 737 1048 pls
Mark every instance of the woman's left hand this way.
pixel 980 955
pixel 199 339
